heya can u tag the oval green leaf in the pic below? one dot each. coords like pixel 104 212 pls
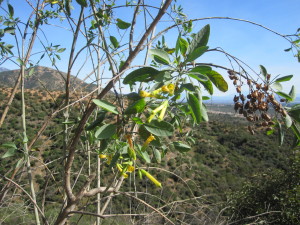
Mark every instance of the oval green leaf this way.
pixel 284 95
pixel 114 41
pixel 160 128
pixel 144 74
pixel 181 147
pixel 106 131
pixel 200 39
pixel 196 53
pixel 283 79
pixel 106 105
pixel 160 56
pixel 198 76
pixel 122 24
pixel 136 107
pixel 217 80
pixel 195 107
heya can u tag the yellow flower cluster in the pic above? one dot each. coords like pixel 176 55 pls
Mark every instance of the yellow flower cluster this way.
pixel 169 89
pixel 124 169
pixel 107 157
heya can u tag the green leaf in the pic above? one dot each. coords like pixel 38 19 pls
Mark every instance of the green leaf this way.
pixel 144 74
pixel 202 107
pixel 9 145
pixel 283 79
pixel 181 147
pixel 188 86
pixel 208 86
pixel 296 130
pixel 12 150
pixel 177 47
pixel 98 121
pixel 200 39
pixel 137 120
pixel 293 93
pixel 136 107
pixel 61 50
pixel 217 80
pixel 277 86
pixel 288 121
pixel 10 10
pixel 106 105
pixel 198 76
pixel 157 155
pixel 106 131
pixel 281 134
pixel 9 30
pixel 114 41
pixel 159 128
pixel 19 163
pixel 82 3
pixel 144 155
pixel 263 71
pixel 194 105
pixel 294 112
pixel 201 69
pixel 286 96
pixel 122 24
pixel 160 56
pixel 196 53
pixel 182 46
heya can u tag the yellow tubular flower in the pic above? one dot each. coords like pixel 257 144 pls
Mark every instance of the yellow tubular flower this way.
pixel 150 177
pixel 165 88
pixel 163 111
pixel 101 156
pixel 155 111
pixel 144 94
pixel 130 169
pixel 149 139
pixel 171 88
pixel 147 142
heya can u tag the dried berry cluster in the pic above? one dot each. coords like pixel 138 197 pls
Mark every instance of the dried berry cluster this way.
pixel 254 107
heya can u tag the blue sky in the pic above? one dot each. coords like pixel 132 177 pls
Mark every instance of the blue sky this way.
pixel 247 42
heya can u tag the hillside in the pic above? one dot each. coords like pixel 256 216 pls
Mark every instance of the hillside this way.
pixel 43 78
pixel 223 156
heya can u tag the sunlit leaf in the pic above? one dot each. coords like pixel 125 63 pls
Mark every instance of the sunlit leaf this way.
pixel 217 80
pixel 277 86
pixel 286 96
pixel 160 56
pixel 201 69
pixel 292 93
pixel 106 105
pixel 136 107
pixel 200 39
pixel 283 79
pixel 288 121
pixel 160 128
pixel 195 107
pixel 144 155
pixel 196 53
pixel 198 76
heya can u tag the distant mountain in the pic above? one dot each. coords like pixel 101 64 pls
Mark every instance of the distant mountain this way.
pixel 3 69
pixel 43 77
